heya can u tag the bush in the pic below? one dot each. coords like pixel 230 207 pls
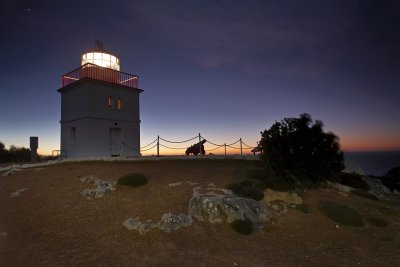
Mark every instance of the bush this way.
pixel 392 179
pixel 278 184
pixel 244 227
pixel 341 214
pixel 249 188
pixel 296 149
pixel 133 179
pixel 304 208
pixel 376 222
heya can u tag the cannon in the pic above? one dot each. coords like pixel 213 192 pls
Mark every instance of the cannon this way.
pixel 195 149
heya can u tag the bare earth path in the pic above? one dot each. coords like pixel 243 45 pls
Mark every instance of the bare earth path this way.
pixel 51 224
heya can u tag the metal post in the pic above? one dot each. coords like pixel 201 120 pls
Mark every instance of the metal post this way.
pixel 241 152
pixel 200 144
pixel 158 145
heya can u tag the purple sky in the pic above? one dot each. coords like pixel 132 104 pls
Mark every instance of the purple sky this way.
pixel 226 69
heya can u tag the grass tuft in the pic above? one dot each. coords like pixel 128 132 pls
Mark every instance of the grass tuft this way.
pixel 341 214
pixel 244 227
pixel 133 180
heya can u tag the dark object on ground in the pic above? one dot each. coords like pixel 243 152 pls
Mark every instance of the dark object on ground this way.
pixel 365 194
pixel 341 214
pixel 376 221
pixel 195 149
pixel 249 188
pixel 299 150
pixel 133 179
pixel 244 227
pixel 392 179
pixel 304 208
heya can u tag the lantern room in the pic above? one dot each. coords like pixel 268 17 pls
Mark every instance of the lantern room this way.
pixel 102 59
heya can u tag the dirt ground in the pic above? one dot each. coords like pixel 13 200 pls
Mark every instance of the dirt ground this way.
pixel 51 224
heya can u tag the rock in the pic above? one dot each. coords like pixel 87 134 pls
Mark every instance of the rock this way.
pixel 351 166
pixel 18 192
pixel 101 187
pixel 377 188
pixel 396 192
pixel 10 172
pixel 225 207
pixel 340 187
pixel 135 224
pixel 174 184
pixel 343 194
pixel 287 197
pixel 279 207
pixel 168 223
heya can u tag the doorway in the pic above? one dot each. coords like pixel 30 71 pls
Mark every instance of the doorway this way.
pixel 115 142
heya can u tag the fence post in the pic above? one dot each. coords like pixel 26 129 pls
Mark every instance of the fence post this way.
pixel 241 152
pixel 158 145
pixel 225 149
pixel 200 145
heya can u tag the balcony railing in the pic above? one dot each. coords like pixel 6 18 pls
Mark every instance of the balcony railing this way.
pixel 102 74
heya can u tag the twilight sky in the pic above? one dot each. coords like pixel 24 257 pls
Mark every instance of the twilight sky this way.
pixel 226 69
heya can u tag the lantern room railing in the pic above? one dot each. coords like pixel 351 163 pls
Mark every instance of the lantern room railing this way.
pixel 102 74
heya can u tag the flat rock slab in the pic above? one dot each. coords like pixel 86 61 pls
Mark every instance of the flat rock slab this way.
pixel 287 197
pixel 18 192
pixel 101 187
pixel 168 223
pixel 220 205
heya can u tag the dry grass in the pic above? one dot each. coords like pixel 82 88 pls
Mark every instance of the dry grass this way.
pixel 52 224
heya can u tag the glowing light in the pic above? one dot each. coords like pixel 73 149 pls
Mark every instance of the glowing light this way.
pixel 101 59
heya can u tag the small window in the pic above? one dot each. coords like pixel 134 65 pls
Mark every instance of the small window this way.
pixel 120 104
pixel 110 102
pixel 73 134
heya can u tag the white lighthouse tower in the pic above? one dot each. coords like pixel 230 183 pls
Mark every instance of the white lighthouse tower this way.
pixel 100 109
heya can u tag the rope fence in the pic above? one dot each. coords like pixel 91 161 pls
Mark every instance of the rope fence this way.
pixel 200 141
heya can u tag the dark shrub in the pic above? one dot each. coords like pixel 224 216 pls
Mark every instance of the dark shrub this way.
pixel 341 214
pixel 244 227
pixel 376 221
pixel 133 179
pixel 246 189
pixel 278 184
pixel 297 149
pixel 392 179
pixel 304 208
pixel 258 174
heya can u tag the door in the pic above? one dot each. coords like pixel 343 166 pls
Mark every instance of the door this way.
pixel 115 141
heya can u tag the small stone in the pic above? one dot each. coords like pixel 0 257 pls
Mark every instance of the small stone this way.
pixel 174 184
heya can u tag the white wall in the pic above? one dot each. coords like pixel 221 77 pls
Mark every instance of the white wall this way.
pixel 84 106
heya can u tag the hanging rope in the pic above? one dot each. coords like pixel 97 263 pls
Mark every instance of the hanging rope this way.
pixel 178 142
pixel 148 148
pixel 149 144
pixel 213 143
pixel 234 143
pixel 248 146
pixel 208 150
pixel 173 147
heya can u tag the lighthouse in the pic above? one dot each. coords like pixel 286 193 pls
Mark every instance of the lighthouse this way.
pixel 100 108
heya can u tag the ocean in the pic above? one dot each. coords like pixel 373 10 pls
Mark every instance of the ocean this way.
pixel 375 163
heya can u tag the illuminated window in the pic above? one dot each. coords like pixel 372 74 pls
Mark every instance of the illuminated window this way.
pixel 119 103
pixel 110 102
pixel 73 134
pixel 101 59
